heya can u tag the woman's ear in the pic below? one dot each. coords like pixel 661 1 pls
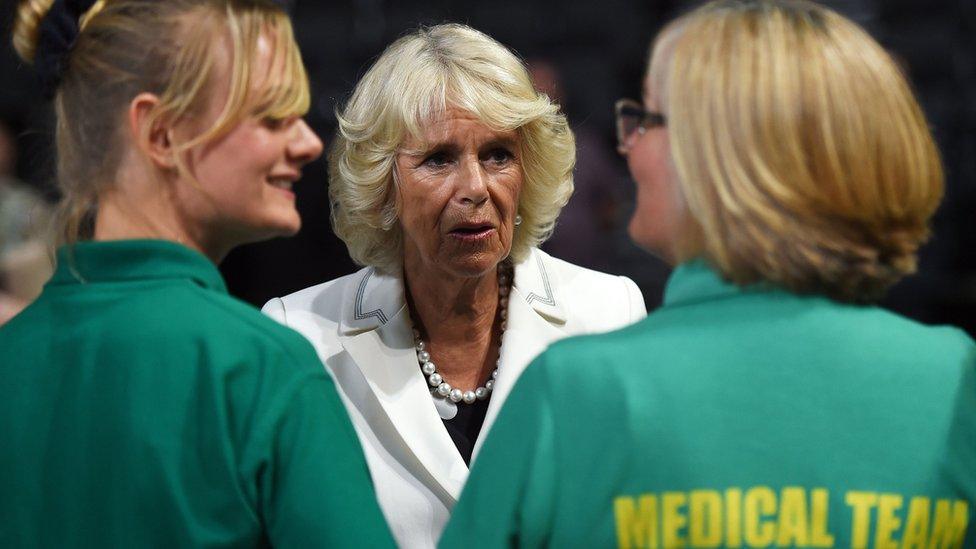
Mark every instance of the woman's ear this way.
pixel 151 133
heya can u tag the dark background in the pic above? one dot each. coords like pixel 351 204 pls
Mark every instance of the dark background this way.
pixel 589 54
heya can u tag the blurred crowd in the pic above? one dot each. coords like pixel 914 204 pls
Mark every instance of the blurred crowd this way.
pixel 25 262
pixel 586 56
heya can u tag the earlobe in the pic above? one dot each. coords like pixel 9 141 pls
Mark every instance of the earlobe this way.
pixel 151 133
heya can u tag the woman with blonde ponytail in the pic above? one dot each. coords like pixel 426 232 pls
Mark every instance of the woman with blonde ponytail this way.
pixel 141 405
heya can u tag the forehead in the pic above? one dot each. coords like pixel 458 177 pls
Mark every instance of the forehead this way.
pixel 265 64
pixel 455 125
pixel 259 61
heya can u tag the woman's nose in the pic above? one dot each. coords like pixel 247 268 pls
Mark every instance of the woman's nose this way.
pixel 305 146
pixel 472 182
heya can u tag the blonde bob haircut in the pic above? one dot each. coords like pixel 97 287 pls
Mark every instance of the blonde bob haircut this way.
pixel 127 47
pixel 797 143
pixel 412 84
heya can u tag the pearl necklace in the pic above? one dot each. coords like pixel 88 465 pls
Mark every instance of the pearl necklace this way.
pixel 443 389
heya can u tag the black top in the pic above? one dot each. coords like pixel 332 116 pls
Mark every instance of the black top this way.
pixel 464 423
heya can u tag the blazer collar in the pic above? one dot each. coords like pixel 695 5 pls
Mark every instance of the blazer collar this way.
pixel 536 283
pixel 375 297
pixel 370 302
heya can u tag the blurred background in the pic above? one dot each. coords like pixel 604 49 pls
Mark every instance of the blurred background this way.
pixel 586 57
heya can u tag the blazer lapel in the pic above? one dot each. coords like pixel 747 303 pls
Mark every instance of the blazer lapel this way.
pixel 535 319
pixel 380 342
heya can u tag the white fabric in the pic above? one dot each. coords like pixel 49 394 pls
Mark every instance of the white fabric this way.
pixel 360 327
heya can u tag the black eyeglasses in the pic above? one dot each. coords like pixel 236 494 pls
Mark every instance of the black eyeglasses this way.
pixel 632 118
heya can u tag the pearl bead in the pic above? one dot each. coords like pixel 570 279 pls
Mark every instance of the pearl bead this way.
pixel 494 375
pixel 416 333
pixel 423 356
pixel 444 389
pixel 503 291
pixel 490 384
pixel 504 325
pixel 468 397
pixel 421 345
pixel 481 393
pixel 456 395
pixel 435 379
pixel 504 314
pixel 503 302
pixel 428 368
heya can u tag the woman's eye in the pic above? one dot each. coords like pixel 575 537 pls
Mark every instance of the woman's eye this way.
pixel 437 160
pixel 500 156
pixel 274 123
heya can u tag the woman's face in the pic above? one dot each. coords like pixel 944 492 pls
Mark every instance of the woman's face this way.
pixel 658 216
pixel 459 190
pixel 246 175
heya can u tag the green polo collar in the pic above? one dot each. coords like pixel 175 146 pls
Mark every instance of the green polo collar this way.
pixel 696 281
pixel 133 260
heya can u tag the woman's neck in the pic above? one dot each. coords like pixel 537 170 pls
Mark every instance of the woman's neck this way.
pixel 456 317
pixel 124 215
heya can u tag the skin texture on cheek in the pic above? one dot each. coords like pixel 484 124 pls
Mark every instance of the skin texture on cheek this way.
pixel 659 214
pixel 234 176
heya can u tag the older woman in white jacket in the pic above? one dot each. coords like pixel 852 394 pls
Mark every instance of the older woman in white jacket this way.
pixel 448 170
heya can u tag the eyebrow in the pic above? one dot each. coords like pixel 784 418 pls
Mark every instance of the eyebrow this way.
pixel 511 142
pixel 427 148
pixel 448 146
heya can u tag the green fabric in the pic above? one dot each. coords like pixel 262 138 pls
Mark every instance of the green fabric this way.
pixel 734 418
pixel 142 406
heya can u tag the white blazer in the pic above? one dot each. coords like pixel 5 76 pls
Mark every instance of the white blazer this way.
pixel 361 328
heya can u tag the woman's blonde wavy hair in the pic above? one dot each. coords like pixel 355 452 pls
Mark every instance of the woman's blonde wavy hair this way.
pixel 413 83
pixel 803 156
pixel 127 47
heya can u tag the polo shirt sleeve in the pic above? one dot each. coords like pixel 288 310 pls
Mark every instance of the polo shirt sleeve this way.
pixel 315 488
pixel 508 498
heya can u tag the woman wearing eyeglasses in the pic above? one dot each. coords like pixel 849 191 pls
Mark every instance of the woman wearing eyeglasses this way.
pixel 785 169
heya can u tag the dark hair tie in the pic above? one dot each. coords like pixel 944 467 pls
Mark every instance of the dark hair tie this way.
pixel 57 35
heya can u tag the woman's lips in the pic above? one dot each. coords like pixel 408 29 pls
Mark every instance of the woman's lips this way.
pixel 283 185
pixel 472 234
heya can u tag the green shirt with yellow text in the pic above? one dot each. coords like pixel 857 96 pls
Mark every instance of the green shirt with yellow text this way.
pixel 735 417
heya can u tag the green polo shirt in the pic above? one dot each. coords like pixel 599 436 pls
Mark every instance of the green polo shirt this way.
pixel 735 417
pixel 142 406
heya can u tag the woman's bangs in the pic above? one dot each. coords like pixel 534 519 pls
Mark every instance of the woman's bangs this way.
pixel 285 93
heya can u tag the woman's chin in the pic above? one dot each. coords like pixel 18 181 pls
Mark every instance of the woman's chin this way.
pixel 272 228
pixel 286 222
pixel 651 242
pixel 472 259
pixel 473 265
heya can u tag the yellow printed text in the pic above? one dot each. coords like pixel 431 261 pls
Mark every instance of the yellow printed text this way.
pixel 791 516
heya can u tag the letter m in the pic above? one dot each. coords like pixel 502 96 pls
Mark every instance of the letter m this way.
pixel 637 526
